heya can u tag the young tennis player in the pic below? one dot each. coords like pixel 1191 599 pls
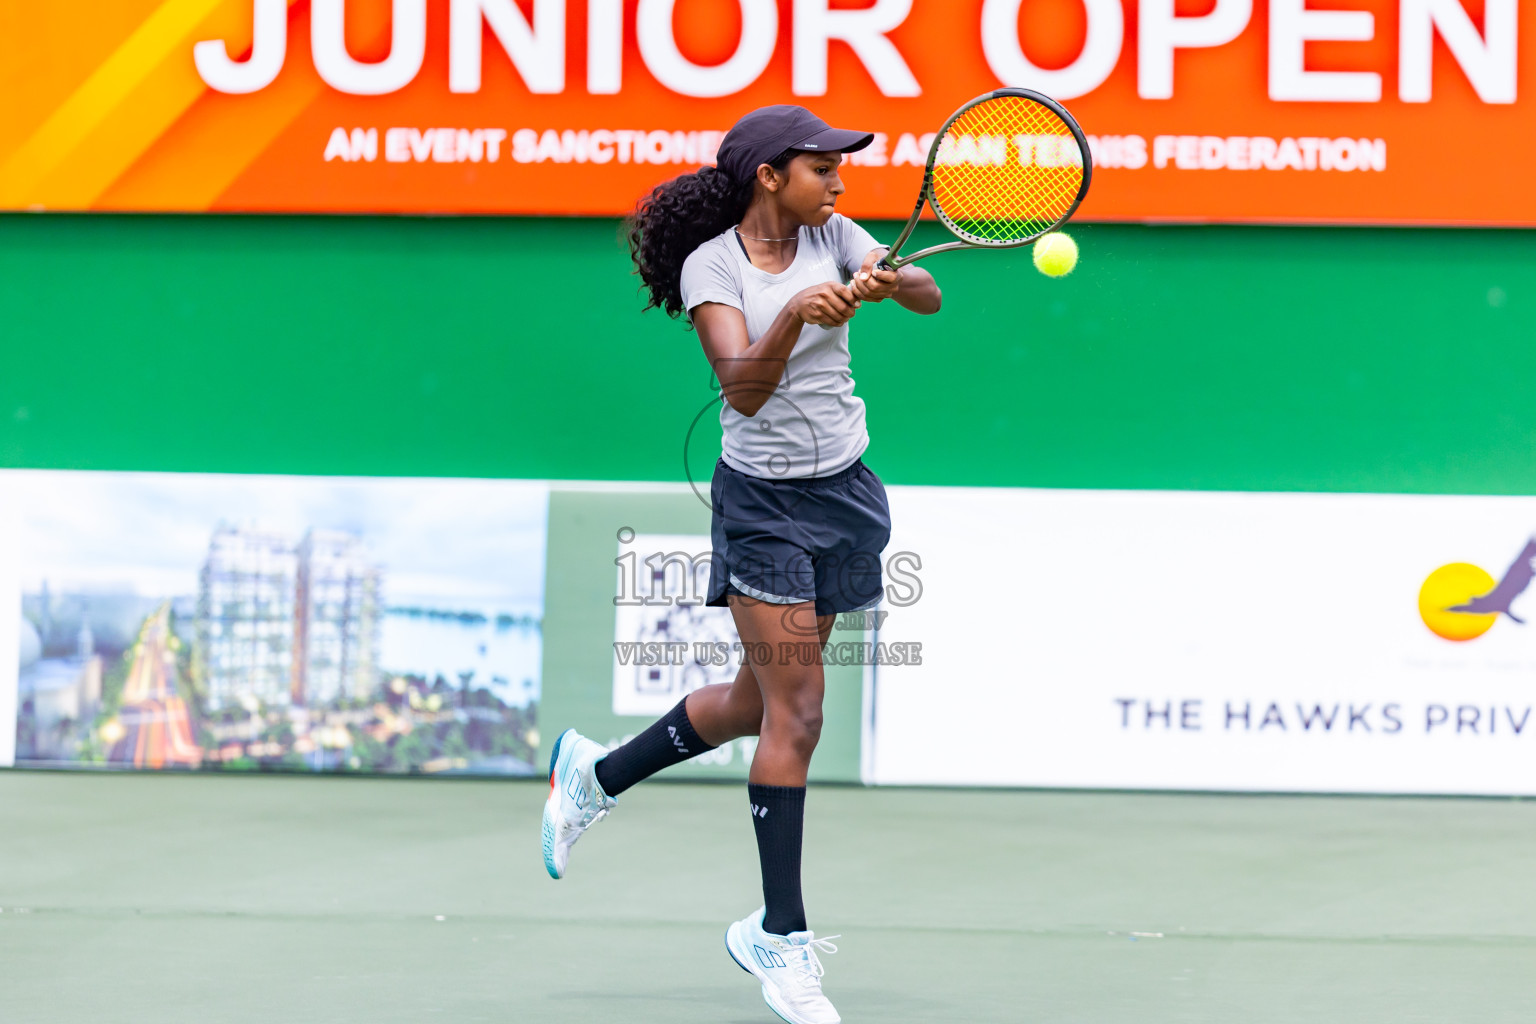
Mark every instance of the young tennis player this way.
pixel 770 276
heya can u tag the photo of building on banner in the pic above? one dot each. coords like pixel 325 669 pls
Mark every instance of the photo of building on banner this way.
pixel 240 623
pixel 1248 111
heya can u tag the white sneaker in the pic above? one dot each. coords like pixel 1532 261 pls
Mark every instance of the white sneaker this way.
pixel 787 966
pixel 576 801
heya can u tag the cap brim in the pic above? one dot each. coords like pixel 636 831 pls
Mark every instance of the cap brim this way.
pixel 834 140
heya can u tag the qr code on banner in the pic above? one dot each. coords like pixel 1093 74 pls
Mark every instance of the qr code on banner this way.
pixel 666 643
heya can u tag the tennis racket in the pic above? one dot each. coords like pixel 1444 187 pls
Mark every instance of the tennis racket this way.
pixel 1006 168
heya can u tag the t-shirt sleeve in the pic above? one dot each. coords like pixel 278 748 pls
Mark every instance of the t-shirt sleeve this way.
pixel 710 275
pixel 853 243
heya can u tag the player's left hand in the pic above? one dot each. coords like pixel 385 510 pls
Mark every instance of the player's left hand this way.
pixel 873 283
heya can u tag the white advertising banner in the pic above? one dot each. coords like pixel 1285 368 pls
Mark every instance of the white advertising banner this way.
pixel 1270 642
pixel 10 626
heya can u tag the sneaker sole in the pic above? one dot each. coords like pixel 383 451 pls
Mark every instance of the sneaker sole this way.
pixel 552 807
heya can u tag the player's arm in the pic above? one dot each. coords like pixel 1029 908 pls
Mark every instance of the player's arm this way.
pixel 912 287
pixel 750 372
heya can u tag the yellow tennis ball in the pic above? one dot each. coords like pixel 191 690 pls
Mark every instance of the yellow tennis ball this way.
pixel 1055 254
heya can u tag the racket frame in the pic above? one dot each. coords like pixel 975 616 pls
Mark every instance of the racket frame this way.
pixel 925 197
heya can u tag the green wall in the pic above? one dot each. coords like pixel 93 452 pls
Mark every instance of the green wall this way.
pixel 1176 357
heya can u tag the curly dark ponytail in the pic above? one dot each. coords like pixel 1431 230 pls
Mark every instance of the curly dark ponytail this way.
pixel 679 216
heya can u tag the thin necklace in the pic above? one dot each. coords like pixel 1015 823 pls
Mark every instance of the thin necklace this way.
pixel 751 239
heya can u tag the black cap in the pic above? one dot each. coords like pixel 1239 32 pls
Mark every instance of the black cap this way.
pixel 769 131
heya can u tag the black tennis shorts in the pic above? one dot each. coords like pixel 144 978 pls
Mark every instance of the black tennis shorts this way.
pixel 791 541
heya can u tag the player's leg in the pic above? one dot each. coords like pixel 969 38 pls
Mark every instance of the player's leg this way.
pixel 705 719
pixel 790 683
pixel 846 520
pixel 774 944
pixel 585 777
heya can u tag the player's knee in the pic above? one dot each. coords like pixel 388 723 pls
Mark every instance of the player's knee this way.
pixel 804 725
pixel 794 724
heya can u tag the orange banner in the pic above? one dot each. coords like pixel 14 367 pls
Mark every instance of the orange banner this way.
pixel 1322 111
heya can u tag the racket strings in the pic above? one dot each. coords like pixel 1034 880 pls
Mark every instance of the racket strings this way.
pixel 1007 170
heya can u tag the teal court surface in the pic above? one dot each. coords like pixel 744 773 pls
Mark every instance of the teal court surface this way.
pixel 307 900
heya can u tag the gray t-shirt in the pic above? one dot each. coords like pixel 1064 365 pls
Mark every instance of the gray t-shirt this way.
pixel 813 425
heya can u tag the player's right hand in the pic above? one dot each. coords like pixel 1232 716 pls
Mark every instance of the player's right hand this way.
pixel 826 305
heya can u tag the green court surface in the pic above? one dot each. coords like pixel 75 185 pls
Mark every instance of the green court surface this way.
pixel 306 900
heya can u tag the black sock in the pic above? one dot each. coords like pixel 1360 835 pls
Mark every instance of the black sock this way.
pixel 778 815
pixel 669 740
